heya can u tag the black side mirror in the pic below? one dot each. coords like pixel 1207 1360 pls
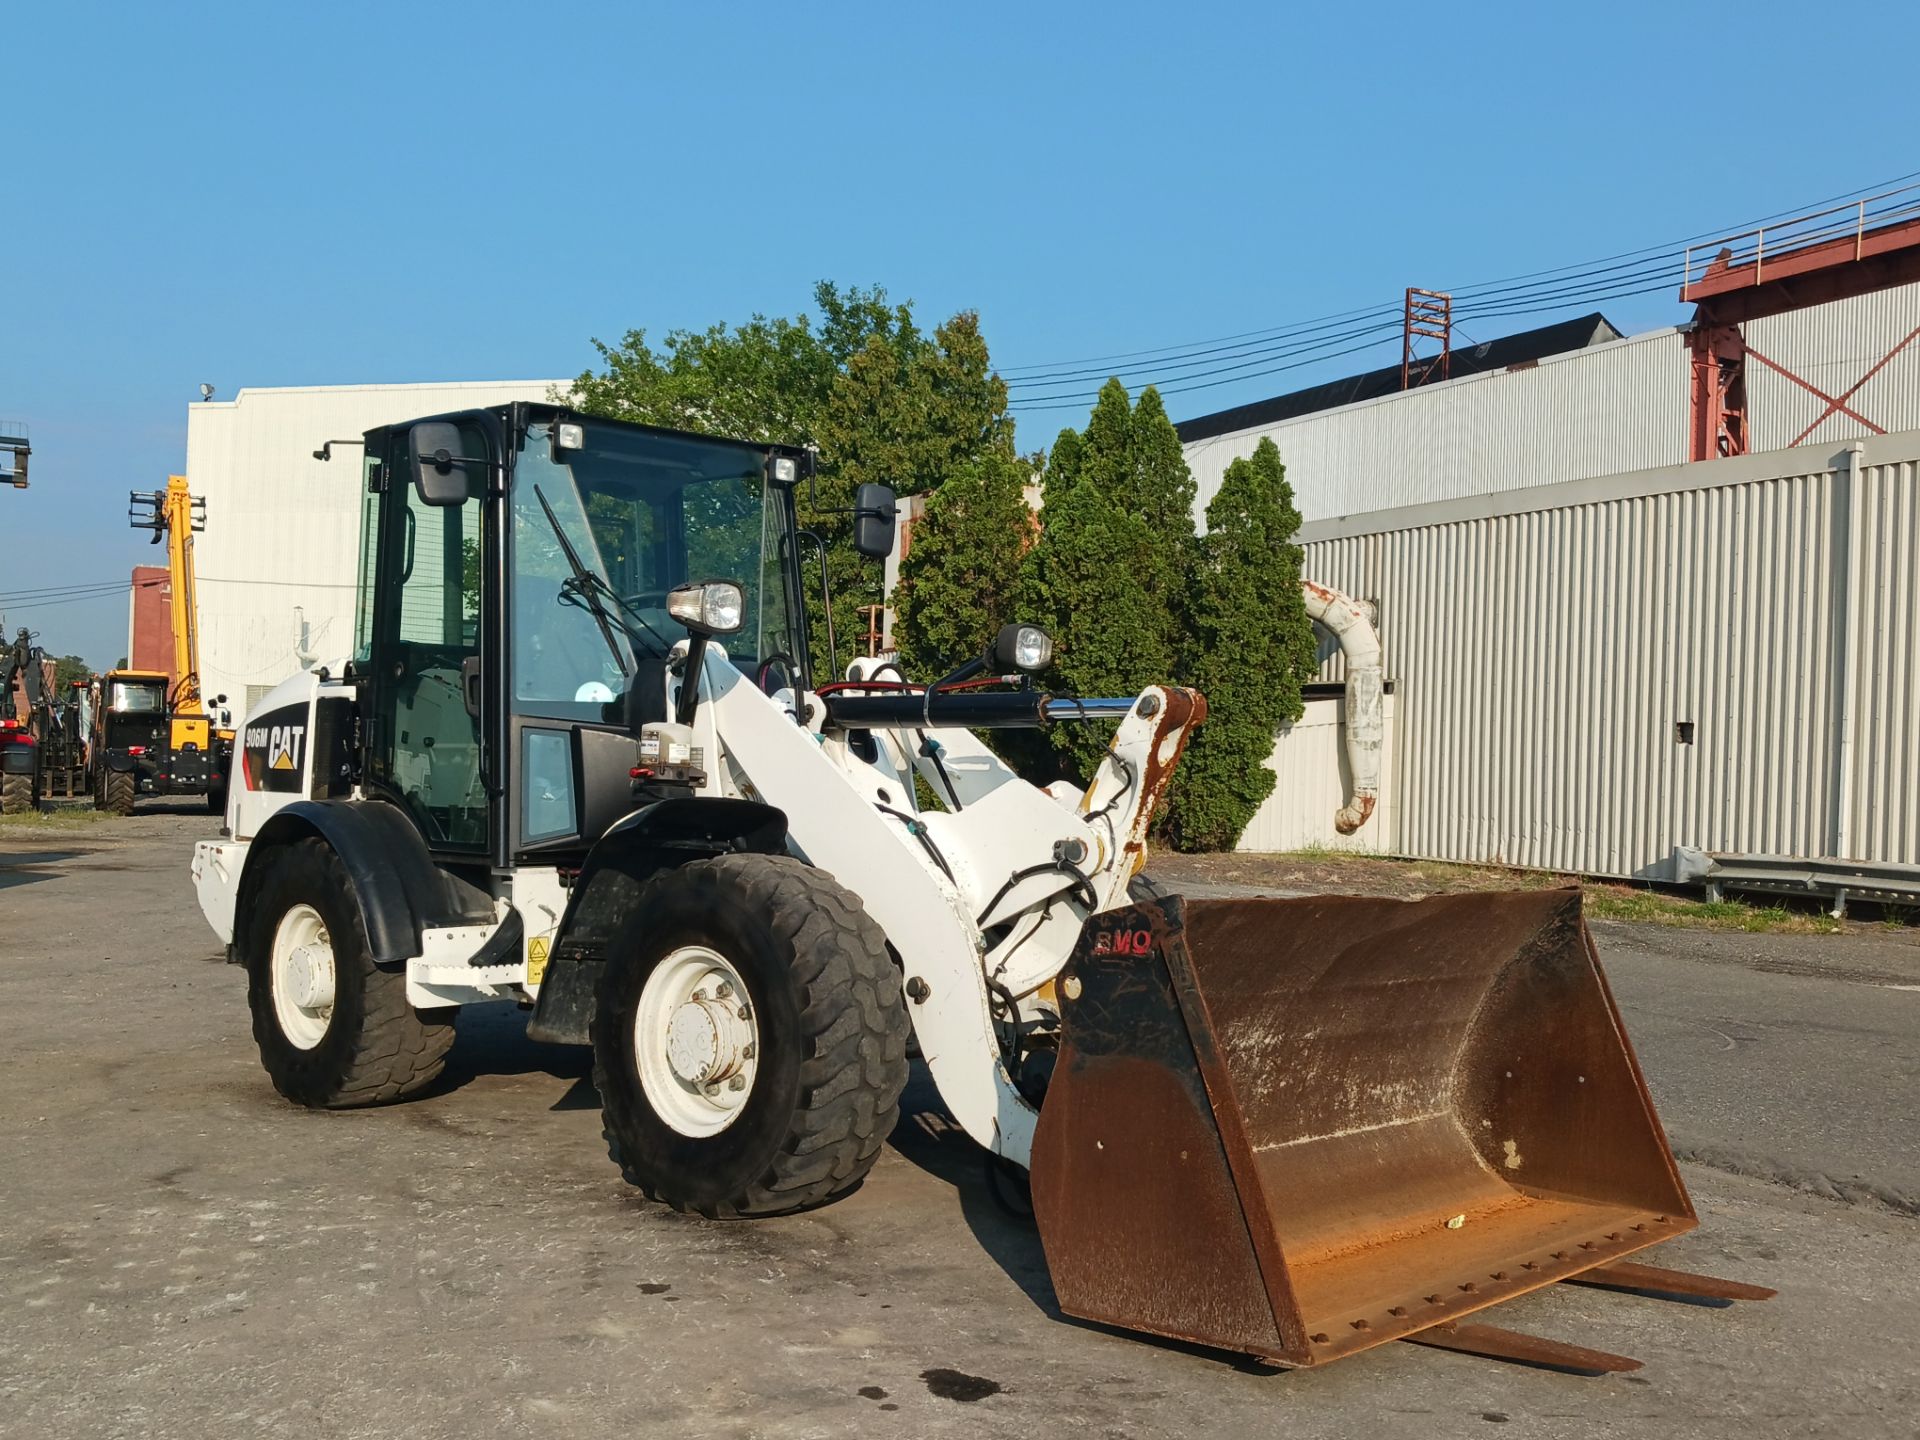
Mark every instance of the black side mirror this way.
pixel 874 512
pixel 439 469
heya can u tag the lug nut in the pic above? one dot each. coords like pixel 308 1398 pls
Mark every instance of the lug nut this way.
pixel 738 1082
pixel 749 1051
pixel 723 990
pixel 918 990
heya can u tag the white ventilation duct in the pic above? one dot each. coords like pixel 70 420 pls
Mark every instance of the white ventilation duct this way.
pixel 1348 622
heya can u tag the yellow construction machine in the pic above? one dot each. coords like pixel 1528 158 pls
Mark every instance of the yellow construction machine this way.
pixel 152 733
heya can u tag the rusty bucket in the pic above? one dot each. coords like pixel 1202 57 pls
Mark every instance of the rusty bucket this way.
pixel 1299 1128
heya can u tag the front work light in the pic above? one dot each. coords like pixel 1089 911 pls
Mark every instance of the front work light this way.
pixel 716 607
pixel 569 436
pixel 784 470
pixel 1021 647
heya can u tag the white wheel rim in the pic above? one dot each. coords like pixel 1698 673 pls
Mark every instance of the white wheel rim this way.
pixel 302 977
pixel 696 1041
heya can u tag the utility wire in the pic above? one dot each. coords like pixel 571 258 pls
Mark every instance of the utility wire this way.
pixel 9 602
pixel 51 590
pixel 1380 329
pixel 1629 273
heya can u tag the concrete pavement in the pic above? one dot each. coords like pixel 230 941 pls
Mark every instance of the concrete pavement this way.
pixel 182 1254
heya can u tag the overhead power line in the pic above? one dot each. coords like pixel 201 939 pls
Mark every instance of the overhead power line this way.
pixel 1251 354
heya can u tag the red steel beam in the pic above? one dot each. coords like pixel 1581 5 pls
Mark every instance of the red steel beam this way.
pixel 1813 275
pixel 1823 255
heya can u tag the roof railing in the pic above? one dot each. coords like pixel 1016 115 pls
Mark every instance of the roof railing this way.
pixel 1856 220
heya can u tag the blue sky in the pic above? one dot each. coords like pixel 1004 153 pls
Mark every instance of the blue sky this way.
pixel 328 194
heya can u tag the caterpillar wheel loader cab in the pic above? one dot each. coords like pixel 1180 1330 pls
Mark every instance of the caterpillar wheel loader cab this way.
pixel 578 760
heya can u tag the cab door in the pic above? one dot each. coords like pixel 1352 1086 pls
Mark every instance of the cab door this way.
pixel 426 736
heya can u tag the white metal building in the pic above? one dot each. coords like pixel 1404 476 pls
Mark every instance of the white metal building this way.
pixel 1599 656
pixel 277 561
pixel 1591 675
pixel 1606 408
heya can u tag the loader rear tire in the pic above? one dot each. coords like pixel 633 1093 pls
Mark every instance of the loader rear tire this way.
pixel 16 795
pixel 116 792
pixel 829 1029
pixel 368 1046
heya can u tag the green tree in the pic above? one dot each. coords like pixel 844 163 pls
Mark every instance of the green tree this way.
pixel 881 399
pixel 907 411
pixel 1110 580
pixel 960 580
pixel 1082 581
pixel 67 669
pixel 1251 649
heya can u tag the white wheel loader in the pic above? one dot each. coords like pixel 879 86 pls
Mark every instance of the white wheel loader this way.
pixel 579 760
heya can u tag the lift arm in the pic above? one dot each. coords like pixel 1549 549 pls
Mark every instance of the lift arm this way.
pixel 177 515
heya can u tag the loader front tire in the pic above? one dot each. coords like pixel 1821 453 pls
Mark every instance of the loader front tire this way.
pixel 116 792
pixel 334 1030
pixel 809 990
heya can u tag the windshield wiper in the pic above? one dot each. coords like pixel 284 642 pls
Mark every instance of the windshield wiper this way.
pixel 586 589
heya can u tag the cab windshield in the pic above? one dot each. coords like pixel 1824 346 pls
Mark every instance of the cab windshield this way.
pixel 139 697
pixel 641 513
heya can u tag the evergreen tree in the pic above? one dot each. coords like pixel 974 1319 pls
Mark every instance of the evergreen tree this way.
pixel 1066 461
pixel 1252 648
pixel 960 580
pixel 1082 581
pixel 1120 631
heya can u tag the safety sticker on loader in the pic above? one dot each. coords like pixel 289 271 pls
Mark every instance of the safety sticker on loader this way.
pixel 536 960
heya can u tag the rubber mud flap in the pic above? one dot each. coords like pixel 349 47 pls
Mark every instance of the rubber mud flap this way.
pixel 1300 1128
pixel 563 1011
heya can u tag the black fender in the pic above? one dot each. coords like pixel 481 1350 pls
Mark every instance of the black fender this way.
pixel 19 759
pixel 658 837
pixel 121 762
pixel 399 888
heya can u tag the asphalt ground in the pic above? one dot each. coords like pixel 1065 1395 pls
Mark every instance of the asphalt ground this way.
pixel 184 1254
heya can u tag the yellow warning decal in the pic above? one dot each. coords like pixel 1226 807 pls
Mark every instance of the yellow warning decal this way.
pixel 536 961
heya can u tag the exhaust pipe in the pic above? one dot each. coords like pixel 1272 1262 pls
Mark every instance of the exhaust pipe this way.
pixel 1344 618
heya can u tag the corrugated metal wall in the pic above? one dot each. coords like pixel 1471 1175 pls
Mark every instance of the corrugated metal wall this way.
pixel 1544 657
pixel 1833 347
pixel 1615 407
pixel 1883 812
pixel 1312 782
pixel 277 561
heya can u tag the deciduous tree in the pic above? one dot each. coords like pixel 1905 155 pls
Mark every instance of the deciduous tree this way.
pixel 882 400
